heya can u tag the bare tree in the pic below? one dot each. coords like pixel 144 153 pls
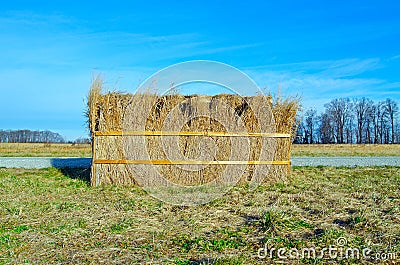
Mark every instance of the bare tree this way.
pixel 369 121
pixel 300 134
pixel 348 130
pixel 382 122
pixel 326 129
pixel 376 114
pixel 391 109
pixel 361 109
pixel 310 120
pixel 397 133
pixel 340 112
pixel 82 141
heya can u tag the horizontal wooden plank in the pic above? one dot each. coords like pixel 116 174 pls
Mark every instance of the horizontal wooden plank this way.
pixel 163 133
pixel 187 162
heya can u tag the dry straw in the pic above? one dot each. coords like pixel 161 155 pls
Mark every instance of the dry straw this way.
pixel 107 111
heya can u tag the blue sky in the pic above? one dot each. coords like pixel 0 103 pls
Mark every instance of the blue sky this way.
pixel 50 50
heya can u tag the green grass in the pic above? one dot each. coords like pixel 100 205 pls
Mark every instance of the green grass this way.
pixel 49 216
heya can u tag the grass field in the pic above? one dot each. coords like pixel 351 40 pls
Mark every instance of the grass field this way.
pixel 84 150
pixel 346 150
pixel 52 216
pixel 44 150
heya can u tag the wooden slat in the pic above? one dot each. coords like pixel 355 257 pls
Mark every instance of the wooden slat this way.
pixel 162 133
pixel 94 180
pixel 187 162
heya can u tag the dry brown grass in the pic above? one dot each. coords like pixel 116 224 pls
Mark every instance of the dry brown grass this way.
pixel 44 150
pixel 346 150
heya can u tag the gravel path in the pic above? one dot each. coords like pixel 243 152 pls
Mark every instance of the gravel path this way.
pixel 44 162
pixel 347 161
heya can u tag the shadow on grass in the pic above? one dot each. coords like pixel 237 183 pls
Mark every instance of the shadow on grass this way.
pixel 75 168
pixel 203 261
pixel 73 162
pixel 77 173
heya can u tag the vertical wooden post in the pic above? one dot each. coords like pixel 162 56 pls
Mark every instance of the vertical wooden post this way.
pixel 290 161
pixel 93 179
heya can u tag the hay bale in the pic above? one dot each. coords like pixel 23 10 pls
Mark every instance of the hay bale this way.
pixel 106 112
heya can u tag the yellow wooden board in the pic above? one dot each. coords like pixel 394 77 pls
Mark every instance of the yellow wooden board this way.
pixel 187 162
pixel 162 133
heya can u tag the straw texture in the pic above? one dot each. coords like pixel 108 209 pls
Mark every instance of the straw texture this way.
pixel 151 112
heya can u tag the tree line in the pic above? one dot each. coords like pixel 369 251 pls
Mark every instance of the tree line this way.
pixel 345 120
pixel 28 136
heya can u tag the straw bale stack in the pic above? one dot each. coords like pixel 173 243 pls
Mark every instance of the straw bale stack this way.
pixel 106 112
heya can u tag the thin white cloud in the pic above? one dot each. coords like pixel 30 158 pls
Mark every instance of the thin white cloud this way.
pixel 226 48
pixel 318 82
pixel 338 68
pixel 352 67
pixel 30 18
pixel 131 38
pixel 394 85
pixel 395 57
